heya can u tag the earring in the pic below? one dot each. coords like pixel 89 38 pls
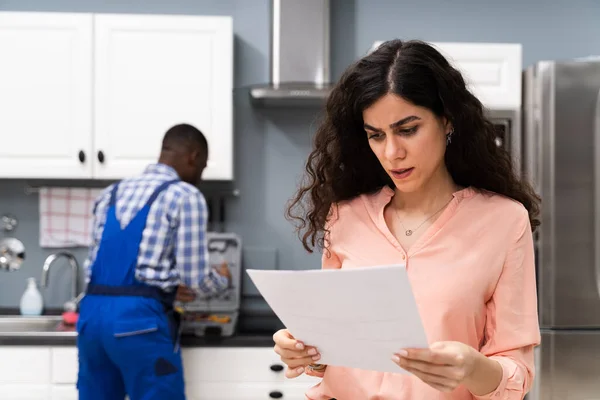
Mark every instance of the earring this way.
pixel 449 137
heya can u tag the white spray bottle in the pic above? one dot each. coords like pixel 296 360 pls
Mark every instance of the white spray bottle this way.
pixel 32 302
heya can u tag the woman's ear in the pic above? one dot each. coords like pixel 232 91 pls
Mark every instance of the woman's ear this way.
pixel 448 127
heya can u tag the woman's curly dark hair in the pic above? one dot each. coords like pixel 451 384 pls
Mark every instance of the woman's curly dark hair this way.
pixel 342 166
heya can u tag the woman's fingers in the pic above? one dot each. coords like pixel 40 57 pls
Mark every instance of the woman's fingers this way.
pixel 291 373
pixel 284 339
pixel 440 383
pixel 298 362
pixel 294 353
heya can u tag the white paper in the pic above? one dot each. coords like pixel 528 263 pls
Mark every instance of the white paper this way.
pixel 355 317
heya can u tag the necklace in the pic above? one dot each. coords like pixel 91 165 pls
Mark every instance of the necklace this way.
pixel 409 232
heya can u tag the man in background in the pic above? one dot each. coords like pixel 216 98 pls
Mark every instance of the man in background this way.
pixel 149 248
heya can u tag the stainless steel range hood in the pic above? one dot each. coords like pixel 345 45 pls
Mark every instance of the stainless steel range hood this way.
pixel 299 69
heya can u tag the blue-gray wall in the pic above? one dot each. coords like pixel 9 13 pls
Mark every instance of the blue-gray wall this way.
pixel 271 145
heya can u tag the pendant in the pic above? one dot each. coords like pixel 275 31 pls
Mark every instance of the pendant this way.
pixel 408 232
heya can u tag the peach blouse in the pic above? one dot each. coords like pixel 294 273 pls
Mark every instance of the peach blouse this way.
pixel 473 275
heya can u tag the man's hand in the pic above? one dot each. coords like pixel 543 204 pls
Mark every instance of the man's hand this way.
pixel 223 270
pixel 185 294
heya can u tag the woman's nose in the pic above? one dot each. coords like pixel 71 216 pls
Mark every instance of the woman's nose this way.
pixel 394 148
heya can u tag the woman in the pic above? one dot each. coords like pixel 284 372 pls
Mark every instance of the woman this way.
pixel 405 169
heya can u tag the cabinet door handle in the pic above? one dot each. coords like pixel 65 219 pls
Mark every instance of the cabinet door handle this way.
pixel 101 156
pixel 276 394
pixel 81 156
pixel 277 367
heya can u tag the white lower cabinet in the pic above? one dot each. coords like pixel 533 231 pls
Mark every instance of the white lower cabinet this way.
pixel 246 391
pixel 24 372
pixel 64 392
pixel 63 373
pixel 211 373
pixel 23 391
pixel 64 365
pixel 244 373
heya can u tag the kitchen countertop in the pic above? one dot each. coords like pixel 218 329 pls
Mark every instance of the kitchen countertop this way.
pixel 237 340
pixel 254 338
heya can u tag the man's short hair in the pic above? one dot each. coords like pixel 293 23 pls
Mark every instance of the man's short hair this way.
pixel 184 137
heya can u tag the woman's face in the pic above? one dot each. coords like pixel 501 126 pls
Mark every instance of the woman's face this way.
pixel 409 141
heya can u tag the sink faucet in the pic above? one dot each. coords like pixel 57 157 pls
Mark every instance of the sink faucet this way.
pixel 74 269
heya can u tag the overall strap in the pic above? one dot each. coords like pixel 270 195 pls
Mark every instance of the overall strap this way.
pixel 113 195
pixel 158 190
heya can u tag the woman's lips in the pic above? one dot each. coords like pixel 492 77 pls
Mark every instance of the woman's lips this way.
pixel 402 173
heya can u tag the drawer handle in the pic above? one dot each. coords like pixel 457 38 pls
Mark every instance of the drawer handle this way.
pixel 277 367
pixel 81 156
pixel 276 394
pixel 101 156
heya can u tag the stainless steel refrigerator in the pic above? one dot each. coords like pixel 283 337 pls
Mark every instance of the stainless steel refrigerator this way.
pixel 561 146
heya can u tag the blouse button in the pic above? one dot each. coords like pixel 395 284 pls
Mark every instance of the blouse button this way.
pixel 403 257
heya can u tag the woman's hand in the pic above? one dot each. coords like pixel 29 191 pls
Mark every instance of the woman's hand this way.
pixel 294 353
pixel 444 365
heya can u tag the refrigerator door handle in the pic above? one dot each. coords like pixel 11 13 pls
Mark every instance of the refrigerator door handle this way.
pixel 537 139
pixel 597 191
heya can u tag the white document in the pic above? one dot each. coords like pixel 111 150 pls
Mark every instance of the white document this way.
pixel 355 317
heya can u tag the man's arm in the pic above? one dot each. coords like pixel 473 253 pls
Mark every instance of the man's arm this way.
pixel 191 248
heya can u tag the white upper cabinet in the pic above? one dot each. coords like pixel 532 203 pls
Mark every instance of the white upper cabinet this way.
pixel 45 95
pixel 492 71
pixel 152 72
pixel 91 95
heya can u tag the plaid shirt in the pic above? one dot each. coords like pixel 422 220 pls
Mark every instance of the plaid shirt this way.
pixel 174 246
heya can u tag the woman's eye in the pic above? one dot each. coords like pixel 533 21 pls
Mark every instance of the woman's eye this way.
pixel 375 136
pixel 408 131
pixel 405 132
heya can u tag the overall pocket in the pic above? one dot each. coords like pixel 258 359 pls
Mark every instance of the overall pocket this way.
pixel 136 326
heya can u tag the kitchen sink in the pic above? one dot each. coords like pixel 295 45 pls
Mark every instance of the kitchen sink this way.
pixel 34 326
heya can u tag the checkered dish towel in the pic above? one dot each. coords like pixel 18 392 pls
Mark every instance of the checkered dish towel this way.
pixel 66 216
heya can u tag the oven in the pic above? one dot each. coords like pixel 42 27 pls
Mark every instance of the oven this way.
pixel 508 133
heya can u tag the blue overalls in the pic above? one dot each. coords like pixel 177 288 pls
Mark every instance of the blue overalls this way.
pixel 128 338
